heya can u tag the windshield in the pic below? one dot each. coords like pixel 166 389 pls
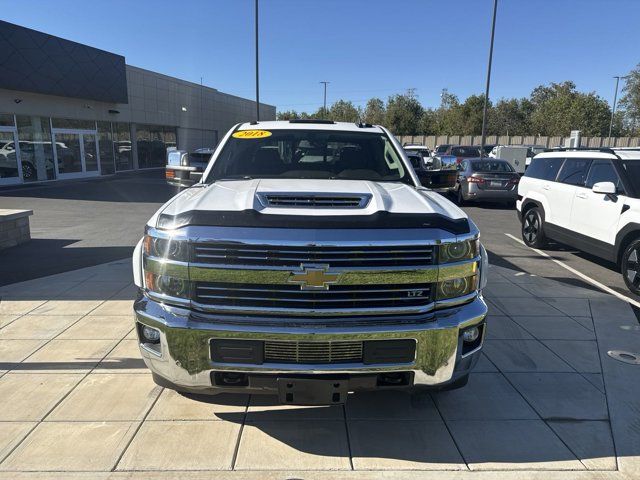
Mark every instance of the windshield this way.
pixel 309 154
pixel 492 166
pixel 465 151
pixel 632 167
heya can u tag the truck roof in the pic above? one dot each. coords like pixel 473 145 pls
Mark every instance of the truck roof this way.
pixel 310 125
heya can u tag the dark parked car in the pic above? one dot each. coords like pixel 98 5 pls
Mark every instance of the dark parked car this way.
pixel 432 172
pixel 487 179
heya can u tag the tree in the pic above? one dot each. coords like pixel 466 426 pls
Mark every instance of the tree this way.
pixel 374 112
pixel 559 108
pixel 287 115
pixel 630 101
pixel 404 113
pixel 344 111
pixel 510 117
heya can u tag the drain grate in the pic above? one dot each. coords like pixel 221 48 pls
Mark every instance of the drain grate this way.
pixel 625 357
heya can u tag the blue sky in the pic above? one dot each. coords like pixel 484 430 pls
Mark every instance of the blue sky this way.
pixel 364 48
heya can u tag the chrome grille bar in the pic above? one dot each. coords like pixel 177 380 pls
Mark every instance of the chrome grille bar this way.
pixel 267 255
pixel 312 352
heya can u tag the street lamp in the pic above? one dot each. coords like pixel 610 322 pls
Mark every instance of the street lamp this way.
pixel 613 110
pixel 257 75
pixel 324 107
pixel 486 92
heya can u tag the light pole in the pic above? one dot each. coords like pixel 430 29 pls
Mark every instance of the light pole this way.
pixel 613 110
pixel 257 71
pixel 324 103
pixel 486 92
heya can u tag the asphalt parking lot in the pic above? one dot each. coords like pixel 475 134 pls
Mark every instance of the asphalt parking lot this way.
pixel 77 224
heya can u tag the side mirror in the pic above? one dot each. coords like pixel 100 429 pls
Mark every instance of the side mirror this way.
pixel 178 158
pixel 606 188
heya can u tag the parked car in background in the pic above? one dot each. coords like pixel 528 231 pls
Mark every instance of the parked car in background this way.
pixel 425 152
pixel 486 179
pixel 184 168
pixel 487 149
pixel 532 151
pixel 431 171
pixel 516 155
pixel 464 151
pixel 588 199
pixel 441 149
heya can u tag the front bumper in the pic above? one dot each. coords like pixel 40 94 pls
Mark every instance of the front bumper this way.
pixel 184 360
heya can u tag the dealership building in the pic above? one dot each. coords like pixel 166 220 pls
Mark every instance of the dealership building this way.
pixel 68 110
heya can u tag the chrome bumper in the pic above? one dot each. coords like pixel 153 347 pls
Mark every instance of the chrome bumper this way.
pixel 185 362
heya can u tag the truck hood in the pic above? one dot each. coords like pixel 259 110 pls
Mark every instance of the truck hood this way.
pixel 256 198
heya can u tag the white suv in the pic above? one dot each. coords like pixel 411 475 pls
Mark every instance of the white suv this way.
pixel 588 199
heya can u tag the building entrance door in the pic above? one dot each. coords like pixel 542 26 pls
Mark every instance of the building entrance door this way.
pixel 10 171
pixel 76 153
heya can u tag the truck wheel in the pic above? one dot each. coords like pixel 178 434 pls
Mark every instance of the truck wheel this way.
pixel 532 228
pixel 631 266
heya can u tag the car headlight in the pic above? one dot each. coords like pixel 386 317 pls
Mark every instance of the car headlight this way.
pixel 456 287
pixel 457 251
pixel 166 248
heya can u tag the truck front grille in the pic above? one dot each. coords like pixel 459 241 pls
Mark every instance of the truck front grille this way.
pixel 338 298
pixel 293 256
pixel 312 352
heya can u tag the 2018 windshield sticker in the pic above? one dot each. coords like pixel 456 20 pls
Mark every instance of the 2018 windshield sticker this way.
pixel 252 134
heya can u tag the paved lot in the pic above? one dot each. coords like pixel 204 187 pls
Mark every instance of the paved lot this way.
pixel 77 397
pixel 77 224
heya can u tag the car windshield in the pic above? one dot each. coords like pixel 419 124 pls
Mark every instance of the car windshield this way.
pixel 492 166
pixel 309 154
pixel 632 168
pixel 465 151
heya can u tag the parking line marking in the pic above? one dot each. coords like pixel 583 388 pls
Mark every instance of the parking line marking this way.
pixel 580 274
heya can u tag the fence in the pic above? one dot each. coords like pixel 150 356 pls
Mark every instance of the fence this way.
pixel 595 142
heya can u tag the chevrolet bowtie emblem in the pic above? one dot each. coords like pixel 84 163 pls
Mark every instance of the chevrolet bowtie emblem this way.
pixel 314 277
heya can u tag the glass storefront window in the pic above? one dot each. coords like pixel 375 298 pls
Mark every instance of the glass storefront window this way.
pixel 122 146
pixel 152 143
pixel 73 123
pixel 105 144
pixel 6 120
pixel 143 144
pixel 36 153
pixel 8 157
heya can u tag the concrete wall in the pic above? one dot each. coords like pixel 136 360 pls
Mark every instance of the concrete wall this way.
pixel 548 142
pixel 155 99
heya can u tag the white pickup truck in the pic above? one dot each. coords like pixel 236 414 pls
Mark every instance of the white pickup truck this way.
pixel 308 262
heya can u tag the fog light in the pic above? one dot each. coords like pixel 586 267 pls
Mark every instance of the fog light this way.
pixel 471 335
pixel 150 335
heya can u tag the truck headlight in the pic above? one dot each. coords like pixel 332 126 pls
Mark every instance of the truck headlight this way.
pixel 457 251
pixel 166 248
pixel 166 285
pixel 456 287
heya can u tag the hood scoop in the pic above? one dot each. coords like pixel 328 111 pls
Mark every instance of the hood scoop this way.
pixel 314 200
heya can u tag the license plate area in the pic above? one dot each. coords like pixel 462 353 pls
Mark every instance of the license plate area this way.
pixel 313 391
pixel 496 183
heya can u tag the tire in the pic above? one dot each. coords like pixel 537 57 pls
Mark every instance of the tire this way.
pixel 28 172
pixel 533 228
pixel 630 266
